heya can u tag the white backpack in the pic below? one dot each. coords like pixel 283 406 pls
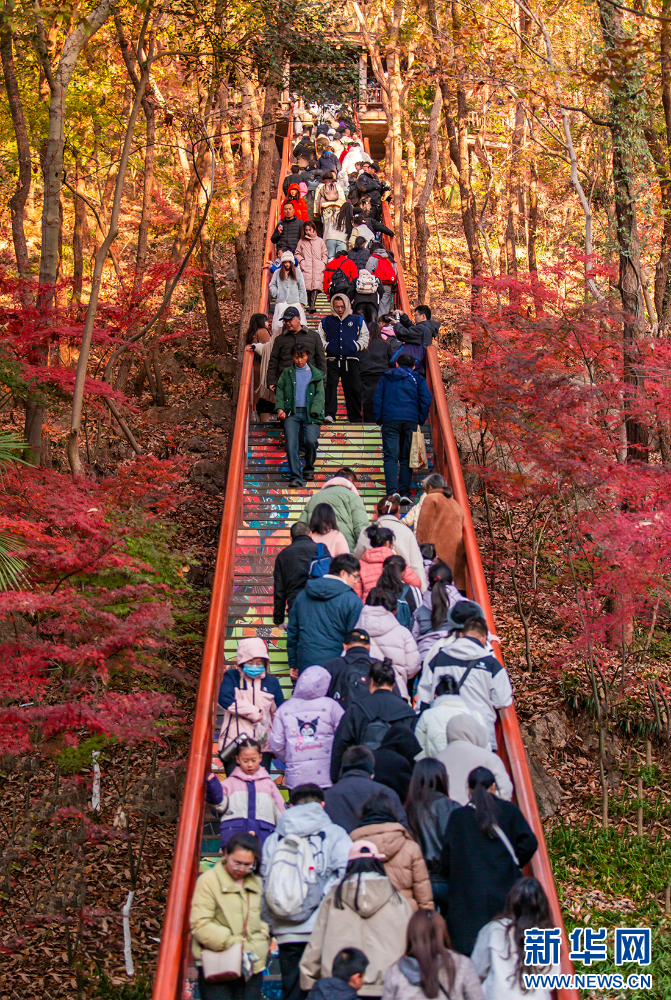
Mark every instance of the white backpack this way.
pixel 293 888
pixel 366 283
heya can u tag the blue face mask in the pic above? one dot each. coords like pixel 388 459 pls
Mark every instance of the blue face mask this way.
pixel 253 670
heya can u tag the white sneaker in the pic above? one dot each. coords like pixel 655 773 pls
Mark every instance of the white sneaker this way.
pixel 329 420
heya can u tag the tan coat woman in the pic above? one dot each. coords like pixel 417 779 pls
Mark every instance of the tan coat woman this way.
pixel 441 521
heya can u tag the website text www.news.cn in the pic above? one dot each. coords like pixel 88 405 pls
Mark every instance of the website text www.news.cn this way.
pixel 587 945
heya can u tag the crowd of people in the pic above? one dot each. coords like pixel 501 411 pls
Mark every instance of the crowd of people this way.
pixel 395 868
pixel 329 239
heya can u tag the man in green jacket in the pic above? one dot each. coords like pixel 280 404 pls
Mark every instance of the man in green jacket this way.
pixel 341 493
pixel 299 401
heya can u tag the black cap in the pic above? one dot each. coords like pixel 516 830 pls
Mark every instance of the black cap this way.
pixel 290 313
pixel 356 635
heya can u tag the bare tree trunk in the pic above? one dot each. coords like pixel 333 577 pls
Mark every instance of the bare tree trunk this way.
pixel 512 226
pixel 227 153
pixel 411 170
pixel 622 129
pixel 147 193
pixel 258 210
pixel 423 201
pixel 17 203
pixel 79 232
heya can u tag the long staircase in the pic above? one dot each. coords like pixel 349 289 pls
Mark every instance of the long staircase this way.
pixel 259 509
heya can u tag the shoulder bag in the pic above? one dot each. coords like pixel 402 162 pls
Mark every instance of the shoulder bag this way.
pixel 219 966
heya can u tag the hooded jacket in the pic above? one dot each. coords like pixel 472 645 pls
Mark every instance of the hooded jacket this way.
pixel 402 981
pixel 393 640
pixel 284 343
pixel 375 359
pixel 290 574
pixel 344 800
pixel 467 749
pixel 402 394
pixel 431 730
pixel 218 911
pixel 312 255
pixel 395 758
pixel 441 521
pixel 422 630
pixel 480 870
pixel 405 544
pixel 404 864
pixel 374 918
pixel 302 733
pixel 343 336
pixel 381 704
pixel 486 688
pixel 245 802
pixel 300 206
pixel 351 516
pixel 328 161
pixel 285 394
pixel 495 960
pixel 249 703
pixel 320 618
pixel 330 846
pixel 287 290
pixel 371 565
pixel 287 238
pixel 383 268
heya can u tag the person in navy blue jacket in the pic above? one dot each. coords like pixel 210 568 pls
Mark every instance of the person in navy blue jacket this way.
pixel 402 401
pixel 344 336
pixel 322 615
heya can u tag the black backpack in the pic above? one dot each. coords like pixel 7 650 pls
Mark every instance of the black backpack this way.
pixel 375 732
pixel 350 685
pixel 341 284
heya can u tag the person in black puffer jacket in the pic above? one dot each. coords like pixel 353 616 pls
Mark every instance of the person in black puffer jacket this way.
pixel 359 253
pixel 374 363
pixel 288 231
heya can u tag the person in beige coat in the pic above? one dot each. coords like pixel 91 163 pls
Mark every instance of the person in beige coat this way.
pixel 467 749
pixel 404 865
pixel 430 968
pixel 227 897
pixel 441 522
pixel 363 911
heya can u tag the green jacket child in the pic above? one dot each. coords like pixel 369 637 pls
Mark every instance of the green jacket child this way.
pixel 285 394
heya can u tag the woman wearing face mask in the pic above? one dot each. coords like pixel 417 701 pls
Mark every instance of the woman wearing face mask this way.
pixel 250 696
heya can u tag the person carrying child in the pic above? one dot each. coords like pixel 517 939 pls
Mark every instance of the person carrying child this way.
pixel 248 800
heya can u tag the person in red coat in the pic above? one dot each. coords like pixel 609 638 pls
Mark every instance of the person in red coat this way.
pixel 299 203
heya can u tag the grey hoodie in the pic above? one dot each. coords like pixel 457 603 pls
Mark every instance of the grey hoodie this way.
pixel 330 846
pixel 467 749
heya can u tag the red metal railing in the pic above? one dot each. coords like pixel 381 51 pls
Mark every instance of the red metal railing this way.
pixel 511 747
